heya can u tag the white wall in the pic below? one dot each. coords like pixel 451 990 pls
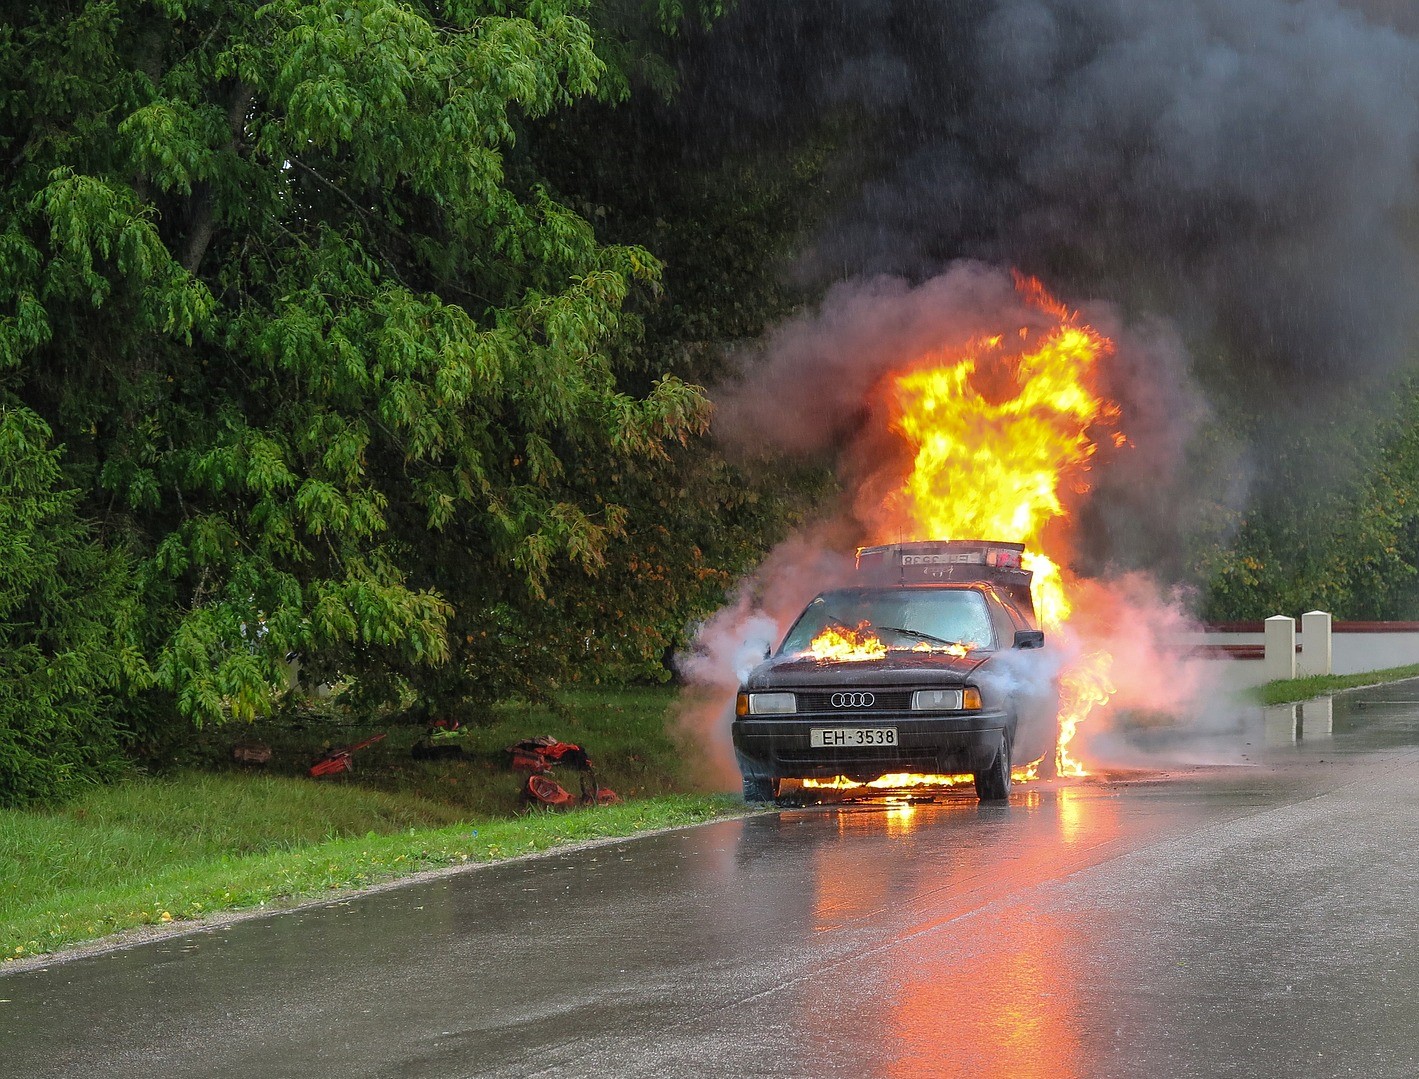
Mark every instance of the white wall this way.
pixel 1351 653
pixel 1355 653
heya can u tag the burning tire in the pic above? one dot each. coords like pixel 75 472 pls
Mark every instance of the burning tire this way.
pixel 993 785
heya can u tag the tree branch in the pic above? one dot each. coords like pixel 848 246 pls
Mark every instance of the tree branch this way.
pixel 203 224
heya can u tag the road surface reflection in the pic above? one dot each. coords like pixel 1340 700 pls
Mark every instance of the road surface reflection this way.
pixel 956 991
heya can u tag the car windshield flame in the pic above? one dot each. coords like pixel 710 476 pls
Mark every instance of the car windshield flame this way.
pixel 865 624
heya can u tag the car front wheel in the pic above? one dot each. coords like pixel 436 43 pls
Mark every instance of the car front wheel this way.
pixel 760 789
pixel 993 785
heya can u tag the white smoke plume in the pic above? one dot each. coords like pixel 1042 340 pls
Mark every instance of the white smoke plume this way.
pixel 1169 705
pixel 738 637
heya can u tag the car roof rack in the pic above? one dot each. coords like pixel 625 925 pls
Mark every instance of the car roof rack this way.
pixel 954 561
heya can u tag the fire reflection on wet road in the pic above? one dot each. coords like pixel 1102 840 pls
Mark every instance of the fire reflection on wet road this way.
pixel 1245 920
pixel 1001 998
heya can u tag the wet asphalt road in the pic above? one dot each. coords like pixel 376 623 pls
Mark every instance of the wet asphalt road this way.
pixel 1247 921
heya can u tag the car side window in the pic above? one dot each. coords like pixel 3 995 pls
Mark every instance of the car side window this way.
pixel 1005 625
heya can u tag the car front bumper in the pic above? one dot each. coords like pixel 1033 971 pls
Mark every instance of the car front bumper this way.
pixel 779 747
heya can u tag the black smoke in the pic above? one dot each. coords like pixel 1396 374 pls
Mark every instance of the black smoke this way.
pixel 1245 167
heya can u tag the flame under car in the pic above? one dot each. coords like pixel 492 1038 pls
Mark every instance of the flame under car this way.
pixel 932 665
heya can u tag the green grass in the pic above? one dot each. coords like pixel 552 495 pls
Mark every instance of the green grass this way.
pixel 1288 690
pixel 194 843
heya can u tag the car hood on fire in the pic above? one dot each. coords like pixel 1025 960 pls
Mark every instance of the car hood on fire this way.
pixel 898 668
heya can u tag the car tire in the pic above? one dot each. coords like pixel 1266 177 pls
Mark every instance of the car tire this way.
pixel 993 785
pixel 760 789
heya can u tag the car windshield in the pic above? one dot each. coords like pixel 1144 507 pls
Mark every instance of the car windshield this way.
pixel 902 618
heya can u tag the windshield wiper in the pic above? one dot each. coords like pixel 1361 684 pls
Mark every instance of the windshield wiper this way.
pixel 919 635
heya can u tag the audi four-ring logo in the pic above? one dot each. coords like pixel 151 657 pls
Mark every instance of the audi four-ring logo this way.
pixel 853 700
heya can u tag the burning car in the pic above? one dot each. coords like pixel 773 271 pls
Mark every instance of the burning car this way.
pixel 930 664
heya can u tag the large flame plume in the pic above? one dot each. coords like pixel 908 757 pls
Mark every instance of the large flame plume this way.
pixel 1002 434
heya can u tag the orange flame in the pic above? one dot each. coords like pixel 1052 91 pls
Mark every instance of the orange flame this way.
pixel 1082 686
pixel 908 780
pixel 847 645
pixel 844 645
pixel 1002 435
pixel 951 648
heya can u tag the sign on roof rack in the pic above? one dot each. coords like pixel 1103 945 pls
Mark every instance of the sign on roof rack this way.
pixel 925 561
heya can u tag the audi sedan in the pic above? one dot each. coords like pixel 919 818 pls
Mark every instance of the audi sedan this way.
pixel 922 677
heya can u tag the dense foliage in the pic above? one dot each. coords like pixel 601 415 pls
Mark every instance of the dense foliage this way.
pixel 66 626
pixel 327 361
pixel 1347 543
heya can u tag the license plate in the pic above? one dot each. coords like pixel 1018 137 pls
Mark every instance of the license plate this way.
pixel 838 737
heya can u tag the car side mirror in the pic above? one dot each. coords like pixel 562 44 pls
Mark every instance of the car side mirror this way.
pixel 1029 638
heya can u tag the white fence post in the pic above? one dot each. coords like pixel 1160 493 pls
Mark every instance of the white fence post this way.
pixel 1280 638
pixel 1315 643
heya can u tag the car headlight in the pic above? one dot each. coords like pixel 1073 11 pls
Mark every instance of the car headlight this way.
pixel 936 700
pixel 765 704
pixel 946 700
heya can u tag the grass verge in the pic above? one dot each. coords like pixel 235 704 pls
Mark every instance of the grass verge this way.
pixel 1289 690
pixel 213 838
pixel 71 880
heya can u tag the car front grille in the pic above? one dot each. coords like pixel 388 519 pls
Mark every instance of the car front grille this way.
pixel 855 702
